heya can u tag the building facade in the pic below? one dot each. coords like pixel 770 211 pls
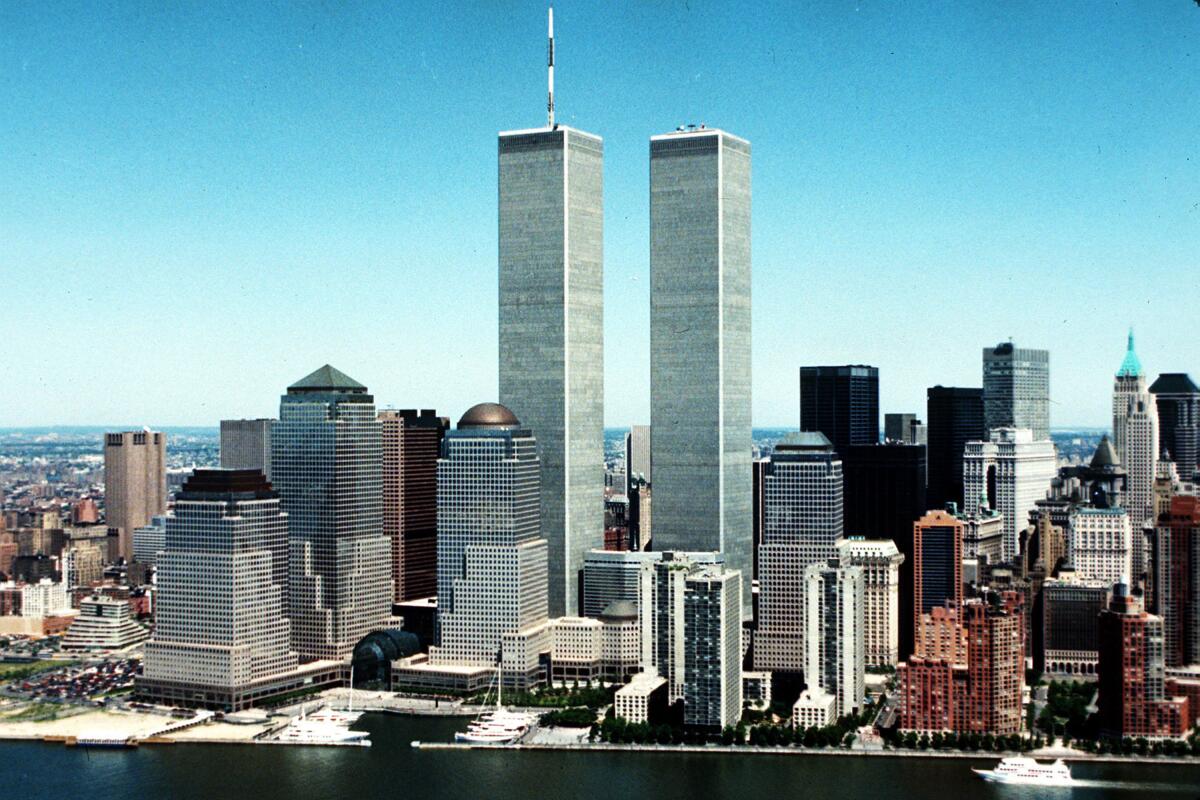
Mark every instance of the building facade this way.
pixel 246 444
pixel 1019 467
pixel 802 486
pixel 834 650
pixel 1135 439
pixel 700 345
pixel 1071 608
pixel 327 465
pixel 1016 389
pixel 712 648
pixel 1176 581
pixel 412 442
pixel 937 562
pixel 221 623
pixel 1132 698
pixel 135 484
pixel 841 402
pixel 492 559
pixel 149 539
pixel 955 417
pixel 1100 545
pixel 1177 399
pixel 551 214
pixel 880 561
pixel 637 457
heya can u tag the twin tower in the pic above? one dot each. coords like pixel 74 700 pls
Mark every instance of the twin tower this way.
pixel 552 338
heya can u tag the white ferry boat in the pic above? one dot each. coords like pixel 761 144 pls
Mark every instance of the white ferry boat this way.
pixel 500 726
pixel 1022 770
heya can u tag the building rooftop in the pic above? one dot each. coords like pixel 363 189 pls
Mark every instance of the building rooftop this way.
pixel 1105 455
pixel 327 378
pixel 619 610
pixel 488 415
pixel 1174 383
pixel 805 440
pixel 1131 367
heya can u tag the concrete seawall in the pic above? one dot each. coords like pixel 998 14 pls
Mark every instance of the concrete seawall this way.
pixel 802 751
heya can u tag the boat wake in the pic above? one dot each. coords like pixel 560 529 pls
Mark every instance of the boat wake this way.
pixel 1133 786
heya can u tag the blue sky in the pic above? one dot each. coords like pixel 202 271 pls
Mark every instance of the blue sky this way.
pixel 202 202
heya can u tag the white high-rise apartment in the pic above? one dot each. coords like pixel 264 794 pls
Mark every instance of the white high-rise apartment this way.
pixel 694 643
pixel 1022 469
pixel 712 647
pixel 1100 545
pixel 700 345
pixel 221 622
pixel 802 524
pixel 834 651
pixel 879 560
pixel 492 590
pixel 1135 438
pixel 551 351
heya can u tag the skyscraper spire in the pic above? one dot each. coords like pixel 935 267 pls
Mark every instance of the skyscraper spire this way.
pixel 1131 367
pixel 550 68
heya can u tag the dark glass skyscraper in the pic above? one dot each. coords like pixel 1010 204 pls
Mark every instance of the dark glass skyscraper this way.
pixel 884 496
pixel 955 417
pixel 1178 401
pixel 327 465
pixel 842 403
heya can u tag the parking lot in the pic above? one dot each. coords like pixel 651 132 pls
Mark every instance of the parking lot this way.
pixel 76 683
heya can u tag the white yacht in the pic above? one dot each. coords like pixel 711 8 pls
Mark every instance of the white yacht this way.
pixel 324 727
pixel 1023 770
pixel 500 726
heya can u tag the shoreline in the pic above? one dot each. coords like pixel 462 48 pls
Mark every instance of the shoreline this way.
pixel 254 734
pixel 721 749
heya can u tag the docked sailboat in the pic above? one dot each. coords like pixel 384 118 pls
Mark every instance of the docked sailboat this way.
pixel 499 726
pixel 346 715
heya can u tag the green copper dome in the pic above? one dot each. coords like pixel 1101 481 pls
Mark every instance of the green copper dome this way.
pixel 1131 367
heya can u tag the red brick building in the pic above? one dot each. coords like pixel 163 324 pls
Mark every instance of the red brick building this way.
pixel 1176 580
pixel 412 442
pixel 979 694
pixel 1133 694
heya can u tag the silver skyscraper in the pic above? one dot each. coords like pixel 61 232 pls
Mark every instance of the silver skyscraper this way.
pixel 552 332
pixel 327 465
pixel 1016 389
pixel 700 344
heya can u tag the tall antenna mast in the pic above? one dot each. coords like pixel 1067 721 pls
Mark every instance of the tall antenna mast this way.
pixel 550 65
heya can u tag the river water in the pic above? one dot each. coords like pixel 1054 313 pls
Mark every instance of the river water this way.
pixel 393 769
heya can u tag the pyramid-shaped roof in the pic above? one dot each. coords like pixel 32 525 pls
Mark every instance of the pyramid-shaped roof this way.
pixel 1105 455
pixel 1174 383
pixel 328 378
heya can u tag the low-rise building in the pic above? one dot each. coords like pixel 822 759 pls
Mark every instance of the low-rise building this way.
pixel 814 709
pixel 643 699
pixel 103 624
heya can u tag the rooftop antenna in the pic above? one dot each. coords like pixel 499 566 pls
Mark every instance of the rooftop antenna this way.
pixel 550 66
